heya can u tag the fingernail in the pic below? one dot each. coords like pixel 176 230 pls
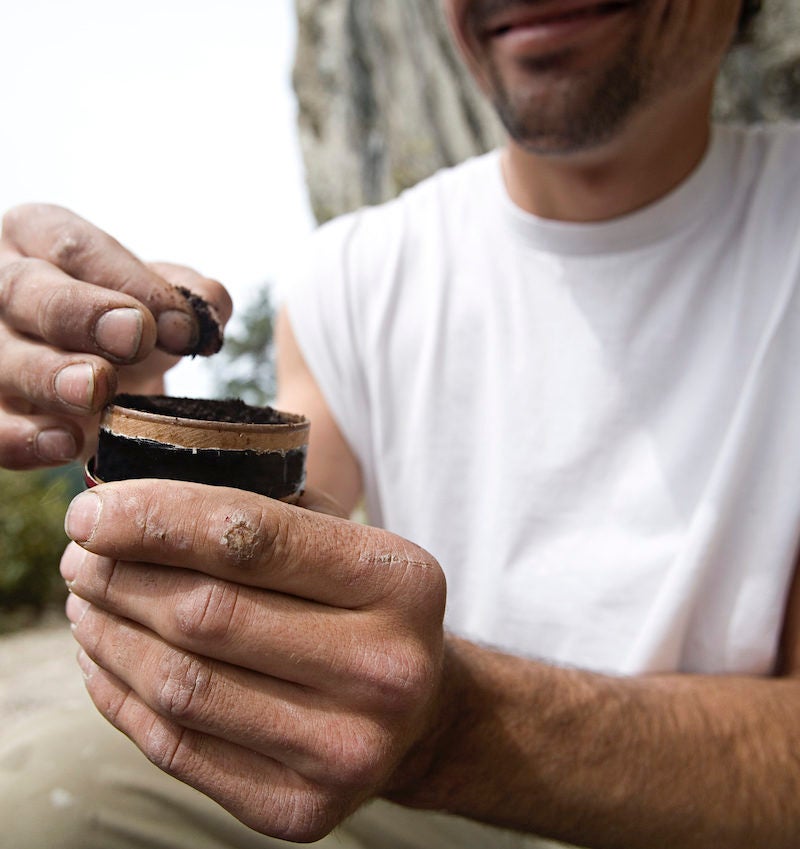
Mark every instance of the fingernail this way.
pixel 177 331
pixel 83 516
pixel 76 608
pixel 55 445
pixel 87 665
pixel 119 332
pixel 75 385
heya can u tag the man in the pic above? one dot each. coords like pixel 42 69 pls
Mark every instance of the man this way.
pixel 567 370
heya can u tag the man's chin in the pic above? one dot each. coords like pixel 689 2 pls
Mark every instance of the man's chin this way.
pixel 565 117
pixel 559 136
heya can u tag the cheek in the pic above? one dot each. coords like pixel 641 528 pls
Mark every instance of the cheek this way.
pixel 470 49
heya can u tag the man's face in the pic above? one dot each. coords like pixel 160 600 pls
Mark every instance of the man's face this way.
pixel 566 75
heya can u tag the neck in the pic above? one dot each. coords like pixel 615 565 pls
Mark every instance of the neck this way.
pixel 655 152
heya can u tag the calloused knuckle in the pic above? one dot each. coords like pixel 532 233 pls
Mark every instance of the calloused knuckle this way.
pixel 183 685
pixel 70 246
pixel 205 613
pixel 247 537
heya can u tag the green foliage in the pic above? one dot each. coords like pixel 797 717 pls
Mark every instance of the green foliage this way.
pixel 32 507
pixel 246 365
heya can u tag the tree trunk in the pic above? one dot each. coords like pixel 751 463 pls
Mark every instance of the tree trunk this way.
pixel 384 100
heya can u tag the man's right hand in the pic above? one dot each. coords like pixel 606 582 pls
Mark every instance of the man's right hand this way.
pixel 80 319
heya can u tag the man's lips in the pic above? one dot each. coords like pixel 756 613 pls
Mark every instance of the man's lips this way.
pixel 542 29
pixel 548 14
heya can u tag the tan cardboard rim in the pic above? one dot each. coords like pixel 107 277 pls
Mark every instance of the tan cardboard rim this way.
pixel 199 434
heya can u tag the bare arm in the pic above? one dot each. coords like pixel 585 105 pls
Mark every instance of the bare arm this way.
pixel 332 467
pixel 661 761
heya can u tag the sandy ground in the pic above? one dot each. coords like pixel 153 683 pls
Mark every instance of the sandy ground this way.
pixel 38 670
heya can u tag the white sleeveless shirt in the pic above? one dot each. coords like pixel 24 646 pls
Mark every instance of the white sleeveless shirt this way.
pixel 594 427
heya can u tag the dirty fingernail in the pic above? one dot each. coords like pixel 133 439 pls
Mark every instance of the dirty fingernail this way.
pixel 74 385
pixel 76 608
pixel 119 332
pixel 82 516
pixel 177 331
pixel 55 445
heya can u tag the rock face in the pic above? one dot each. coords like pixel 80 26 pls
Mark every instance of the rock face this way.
pixel 761 80
pixel 384 100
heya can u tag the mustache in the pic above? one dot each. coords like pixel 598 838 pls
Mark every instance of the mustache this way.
pixel 482 10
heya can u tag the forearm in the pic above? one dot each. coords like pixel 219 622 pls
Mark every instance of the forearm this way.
pixel 661 761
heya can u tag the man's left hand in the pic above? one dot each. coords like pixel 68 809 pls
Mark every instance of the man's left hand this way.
pixel 284 662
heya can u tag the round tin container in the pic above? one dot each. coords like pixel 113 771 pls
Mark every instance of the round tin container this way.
pixel 222 443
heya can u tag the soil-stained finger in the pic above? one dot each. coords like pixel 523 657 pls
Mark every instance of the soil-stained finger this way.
pixel 211 291
pixel 52 380
pixel 86 253
pixel 43 302
pixel 249 539
pixel 32 442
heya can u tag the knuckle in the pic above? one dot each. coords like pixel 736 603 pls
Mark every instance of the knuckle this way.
pixel 12 274
pixel 408 573
pixel 55 319
pixel 165 746
pixel 105 572
pixel 393 676
pixel 70 246
pixel 305 816
pixel 435 590
pixel 116 705
pixel 16 455
pixel 182 686
pixel 247 537
pixel 356 757
pixel 22 212
pixel 15 216
pixel 205 613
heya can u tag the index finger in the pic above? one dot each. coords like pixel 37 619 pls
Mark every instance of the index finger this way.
pixel 249 539
pixel 86 253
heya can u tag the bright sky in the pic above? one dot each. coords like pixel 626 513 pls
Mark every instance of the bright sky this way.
pixel 168 123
